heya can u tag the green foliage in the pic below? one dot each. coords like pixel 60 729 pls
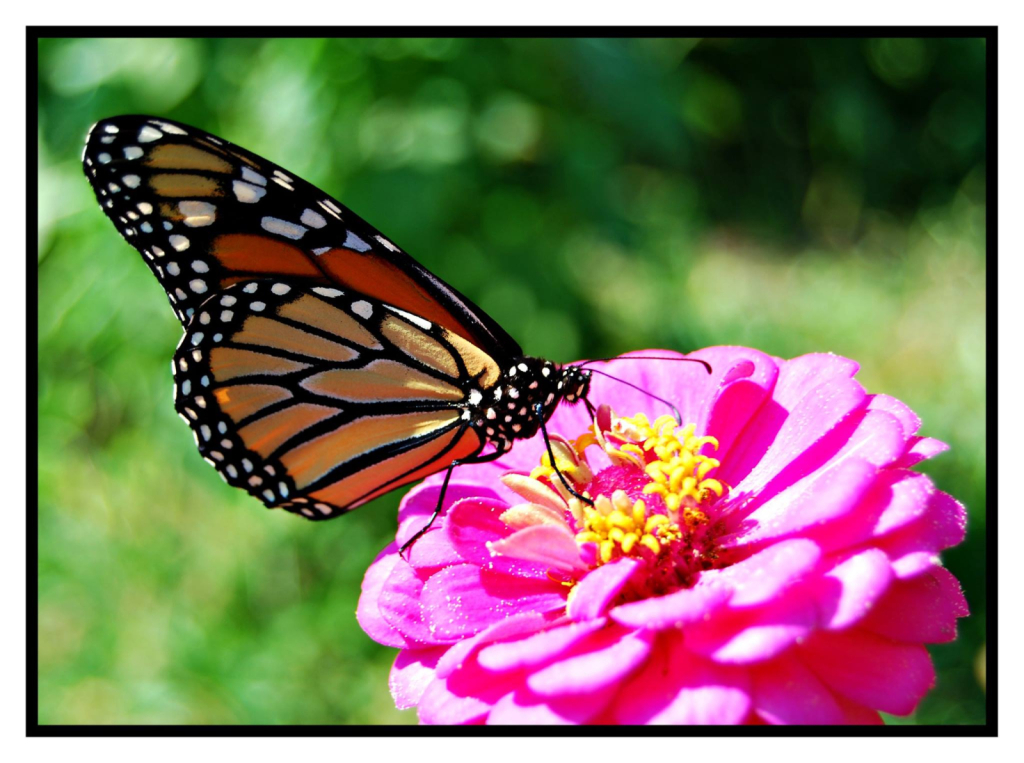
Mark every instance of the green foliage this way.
pixel 595 196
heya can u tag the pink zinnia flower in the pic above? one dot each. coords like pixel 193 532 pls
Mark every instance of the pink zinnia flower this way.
pixel 774 560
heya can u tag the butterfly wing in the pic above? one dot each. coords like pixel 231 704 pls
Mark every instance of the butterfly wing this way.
pixel 316 400
pixel 206 214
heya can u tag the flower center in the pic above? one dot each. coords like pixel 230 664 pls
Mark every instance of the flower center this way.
pixel 651 503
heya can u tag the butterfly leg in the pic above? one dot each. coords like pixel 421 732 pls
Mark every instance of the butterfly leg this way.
pixel 440 498
pixel 539 410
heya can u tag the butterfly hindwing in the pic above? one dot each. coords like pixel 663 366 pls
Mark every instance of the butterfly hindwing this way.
pixel 206 214
pixel 316 400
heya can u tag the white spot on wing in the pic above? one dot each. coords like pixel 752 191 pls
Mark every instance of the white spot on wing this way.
pixel 387 244
pixel 168 127
pixel 247 193
pixel 197 213
pixel 148 134
pixel 325 291
pixel 312 219
pixel 180 243
pixel 352 241
pixel 253 176
pixel 284 228
pixel 132 152
pixel 280 289
pixel 362 308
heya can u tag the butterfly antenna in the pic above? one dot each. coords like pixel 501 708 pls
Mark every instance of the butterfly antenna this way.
pixel 675 411
pixel 707 366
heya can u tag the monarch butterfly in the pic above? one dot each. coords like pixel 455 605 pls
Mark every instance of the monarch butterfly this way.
pixel 320 365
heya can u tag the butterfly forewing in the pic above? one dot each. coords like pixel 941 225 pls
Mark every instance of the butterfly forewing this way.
pixel 206 214
pixel 317 400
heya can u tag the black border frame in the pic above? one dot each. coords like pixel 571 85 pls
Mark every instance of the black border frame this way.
pixel 35 729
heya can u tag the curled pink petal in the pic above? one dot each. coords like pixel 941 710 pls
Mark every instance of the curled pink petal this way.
pixel 550 546
pixel 596 663
pixel 674 610
pixel 762 577
pixel 593 594
pixel 538 648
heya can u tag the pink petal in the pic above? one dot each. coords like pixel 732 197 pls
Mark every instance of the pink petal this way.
pixel 538 648
pixel 735 636
pixel 400 605
pixel 922 609
pixel 593 593
pixel 462 600
pixel 677 687
pixel 439 706
pixel 548 547
pixel 910 422
pixel 740 390
pixel 804 407
pixel 800 376
pixel 869 669
pixel 763 576
pixel 823 497
pixel 432 550
pixel 472 524
pixel 419 503
pixel 849 590
pixel 674 610
pixel 411 674
pixel 523 707
pixel 786 692
pixel 914 548
pixel 920 449
pixel 600 661
pixel 519 626
pixel 871 436
pixel 368 612
pixel 465 696
pixel 897 498
pixel 858 715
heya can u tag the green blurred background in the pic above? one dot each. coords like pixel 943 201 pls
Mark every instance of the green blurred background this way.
pixel 595 196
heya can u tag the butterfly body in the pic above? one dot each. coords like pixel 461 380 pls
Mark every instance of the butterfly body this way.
pixel 320 366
